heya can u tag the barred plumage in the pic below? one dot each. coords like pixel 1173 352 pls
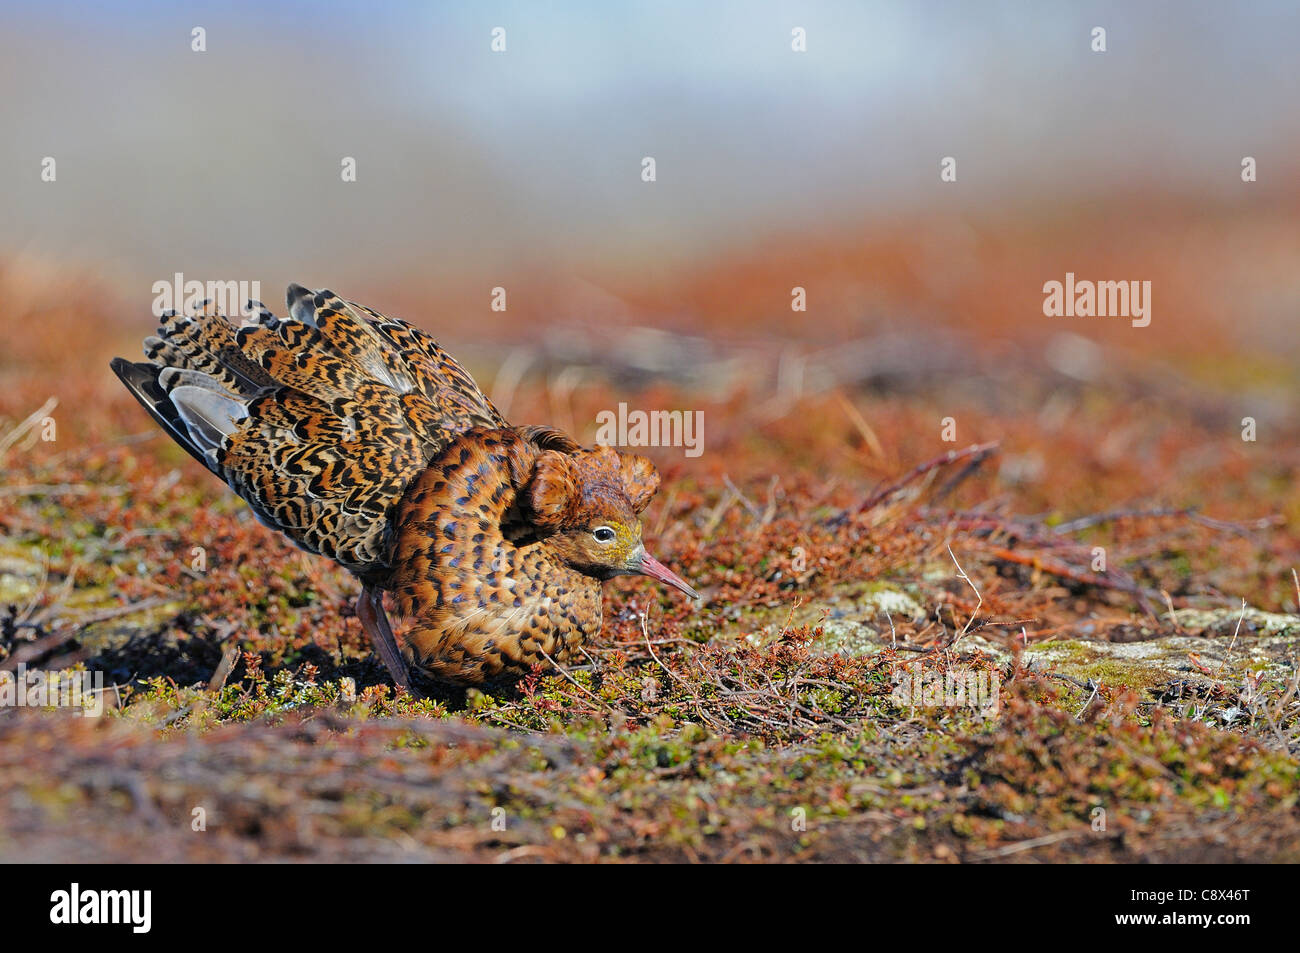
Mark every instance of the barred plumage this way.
pixel 362 440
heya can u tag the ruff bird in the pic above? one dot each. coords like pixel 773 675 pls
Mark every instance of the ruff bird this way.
pixel 359 438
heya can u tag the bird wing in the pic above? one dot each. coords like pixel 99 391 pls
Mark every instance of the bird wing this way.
pixel 319 420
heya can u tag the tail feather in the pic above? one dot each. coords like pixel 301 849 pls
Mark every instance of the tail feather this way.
pixel 319 420
pixel 141 379
pixel 210 415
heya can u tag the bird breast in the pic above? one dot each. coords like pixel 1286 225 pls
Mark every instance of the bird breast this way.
pixel 484 594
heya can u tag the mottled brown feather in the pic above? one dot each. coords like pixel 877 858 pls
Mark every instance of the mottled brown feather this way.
pixel 361 439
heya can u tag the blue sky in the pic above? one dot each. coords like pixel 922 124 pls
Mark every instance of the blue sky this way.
pixel 473 159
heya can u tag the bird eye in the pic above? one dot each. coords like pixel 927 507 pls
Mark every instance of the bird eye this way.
pixel 603 534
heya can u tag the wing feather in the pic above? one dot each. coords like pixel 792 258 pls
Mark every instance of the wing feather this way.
pixel 319 420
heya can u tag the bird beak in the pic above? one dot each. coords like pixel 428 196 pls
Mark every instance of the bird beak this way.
pixel 649 566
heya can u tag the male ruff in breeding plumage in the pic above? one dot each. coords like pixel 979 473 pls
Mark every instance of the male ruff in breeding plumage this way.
pixel 361 439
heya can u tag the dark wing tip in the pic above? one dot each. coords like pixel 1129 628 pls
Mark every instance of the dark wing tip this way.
pixel 141 379
pixel 137 376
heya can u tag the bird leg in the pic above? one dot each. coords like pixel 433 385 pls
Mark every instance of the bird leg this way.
pixel 370 610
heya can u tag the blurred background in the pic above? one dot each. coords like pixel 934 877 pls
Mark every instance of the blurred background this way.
pixel 775 169
pixel 821 505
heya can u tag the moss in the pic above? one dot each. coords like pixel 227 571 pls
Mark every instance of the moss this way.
pixel 759 725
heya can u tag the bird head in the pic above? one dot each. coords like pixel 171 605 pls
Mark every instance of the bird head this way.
pixel 588 504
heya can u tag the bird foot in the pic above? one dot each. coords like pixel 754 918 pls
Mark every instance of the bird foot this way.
pixel 370 610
